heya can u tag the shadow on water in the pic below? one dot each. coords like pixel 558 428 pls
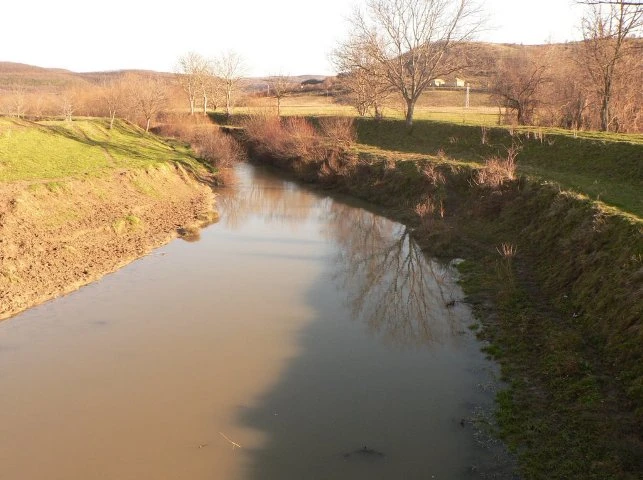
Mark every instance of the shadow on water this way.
pixel 388 382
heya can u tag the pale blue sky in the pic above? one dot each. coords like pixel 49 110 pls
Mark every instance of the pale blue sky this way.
pixel 288 36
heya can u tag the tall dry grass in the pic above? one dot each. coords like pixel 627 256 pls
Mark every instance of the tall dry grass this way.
pixel 498 170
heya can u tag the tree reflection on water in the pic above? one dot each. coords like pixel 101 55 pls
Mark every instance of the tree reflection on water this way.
pixel 388 281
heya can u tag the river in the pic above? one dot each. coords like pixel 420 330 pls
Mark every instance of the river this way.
pixel 301 337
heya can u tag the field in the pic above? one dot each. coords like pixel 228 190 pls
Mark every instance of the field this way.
pixel 447 105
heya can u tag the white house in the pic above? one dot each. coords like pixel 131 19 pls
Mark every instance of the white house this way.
pixel 438 82
pixel 458 82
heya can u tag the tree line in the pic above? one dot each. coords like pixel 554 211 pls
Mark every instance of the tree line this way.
pixel 137 96
pixel 399 47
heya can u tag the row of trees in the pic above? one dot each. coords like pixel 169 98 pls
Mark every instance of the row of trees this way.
pixel 589 84
pixel 398 47
pixel 138 97
pixel 210 79
pixel 135 97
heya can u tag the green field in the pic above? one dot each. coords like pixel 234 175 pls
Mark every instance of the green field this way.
pixel 445 106
pixel 605 167
pixel 59 149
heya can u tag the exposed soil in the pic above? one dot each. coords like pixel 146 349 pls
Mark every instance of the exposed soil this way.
pixel 58 236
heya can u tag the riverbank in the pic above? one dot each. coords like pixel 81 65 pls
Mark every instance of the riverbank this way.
pixel 94 202
pixel 556 280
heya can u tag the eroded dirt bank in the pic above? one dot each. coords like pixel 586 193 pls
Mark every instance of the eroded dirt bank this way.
pixel 57 236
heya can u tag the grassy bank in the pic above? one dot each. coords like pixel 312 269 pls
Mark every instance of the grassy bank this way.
pixel 605 167
pixel 555 277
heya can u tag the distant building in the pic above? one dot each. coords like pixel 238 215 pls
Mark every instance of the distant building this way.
pixel 438 82
pixel 312 82
pixel 458 82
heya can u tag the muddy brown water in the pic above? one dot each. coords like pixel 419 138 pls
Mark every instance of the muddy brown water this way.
pixel 300 338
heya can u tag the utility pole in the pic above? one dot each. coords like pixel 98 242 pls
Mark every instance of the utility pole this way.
pixel 466 98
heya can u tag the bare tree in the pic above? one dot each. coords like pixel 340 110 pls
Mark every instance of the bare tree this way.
pixel 518 84
pixel 607 29
pixel 67 104
pixel 362 78
pixel 207 84
pixel 279 86
pixel 191 68
pixel 568 97
pixel 229 68
pixel 38 104
pixel 413 41
pixel 148 97
pixel 18 101
pixel 113 97
pixel 610 2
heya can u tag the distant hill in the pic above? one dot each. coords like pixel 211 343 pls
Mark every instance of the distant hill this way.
pixel 56 79
pixel 31 77
pixel 52 80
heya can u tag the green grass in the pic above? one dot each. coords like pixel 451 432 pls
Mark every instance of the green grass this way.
pixel 59 149
pixel 604 167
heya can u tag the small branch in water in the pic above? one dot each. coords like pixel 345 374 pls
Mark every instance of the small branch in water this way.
pixel 234 444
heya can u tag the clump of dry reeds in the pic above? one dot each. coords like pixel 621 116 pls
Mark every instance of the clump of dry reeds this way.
pixel 433 174
pixel 498 170
pixel 507 250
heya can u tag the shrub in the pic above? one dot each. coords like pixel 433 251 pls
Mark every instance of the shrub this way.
pixel 497 170
pixel 338 130
pixel 207 141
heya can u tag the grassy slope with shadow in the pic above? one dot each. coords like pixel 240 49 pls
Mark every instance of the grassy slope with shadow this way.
pixel 564 313
pixel 607 167
pixel 56 149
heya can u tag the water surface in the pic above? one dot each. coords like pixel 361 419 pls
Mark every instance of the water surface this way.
pixel 300 337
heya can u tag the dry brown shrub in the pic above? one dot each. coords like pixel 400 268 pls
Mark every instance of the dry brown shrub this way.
pixel 265 130
pixel 301 138
pixel 507 250
pixel 207 141
pixel 430 172
pixel 219 149
pixel 425 208
pixel 338 130
pixel 497 170
pixel 292 137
